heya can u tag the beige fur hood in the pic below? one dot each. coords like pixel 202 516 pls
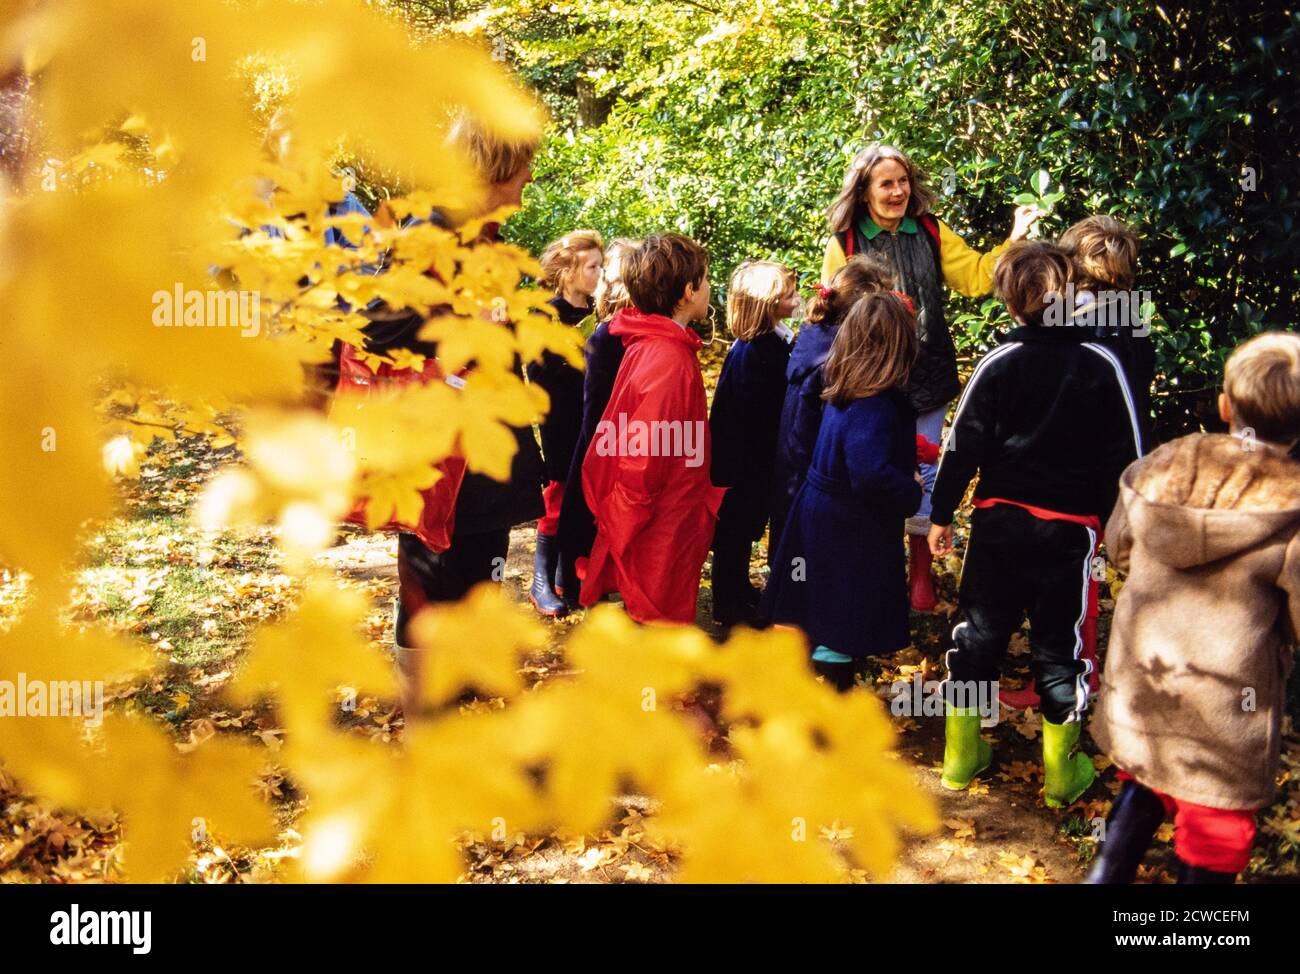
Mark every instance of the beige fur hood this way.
pixel 1206 497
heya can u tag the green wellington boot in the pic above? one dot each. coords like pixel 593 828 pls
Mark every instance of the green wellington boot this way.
pixel 1065 777
pixel 965 753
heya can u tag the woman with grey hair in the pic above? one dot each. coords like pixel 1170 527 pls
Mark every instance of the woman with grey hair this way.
pixel 884 208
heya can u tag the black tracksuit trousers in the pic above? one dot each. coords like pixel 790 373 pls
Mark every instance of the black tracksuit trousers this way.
pixel 1015 564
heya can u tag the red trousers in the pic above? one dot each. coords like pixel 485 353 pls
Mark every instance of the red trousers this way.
pixel 552 498
pixel 1212 838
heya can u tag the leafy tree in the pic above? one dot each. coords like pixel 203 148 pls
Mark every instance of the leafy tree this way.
pixel 733 122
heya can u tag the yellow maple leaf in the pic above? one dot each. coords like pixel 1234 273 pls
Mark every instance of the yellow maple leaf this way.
pixel 478 642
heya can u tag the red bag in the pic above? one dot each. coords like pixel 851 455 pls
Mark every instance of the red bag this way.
pixel 438 516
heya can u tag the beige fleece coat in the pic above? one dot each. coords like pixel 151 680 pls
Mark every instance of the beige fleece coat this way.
pixel 1204 632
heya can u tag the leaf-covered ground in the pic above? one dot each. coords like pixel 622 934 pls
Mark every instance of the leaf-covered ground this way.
pixel 196 600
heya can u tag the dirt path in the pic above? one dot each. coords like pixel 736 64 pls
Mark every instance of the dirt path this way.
pixel 999 831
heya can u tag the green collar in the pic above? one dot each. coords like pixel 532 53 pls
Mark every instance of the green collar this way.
pixel 870 228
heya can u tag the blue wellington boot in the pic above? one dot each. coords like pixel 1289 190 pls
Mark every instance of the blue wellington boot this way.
pixel 541 594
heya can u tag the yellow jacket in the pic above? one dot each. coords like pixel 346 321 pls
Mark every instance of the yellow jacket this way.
pixel 966 271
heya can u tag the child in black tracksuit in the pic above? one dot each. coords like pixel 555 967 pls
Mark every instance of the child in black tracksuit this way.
pixel 1103 252
pixel 746 414
pixel 1048 421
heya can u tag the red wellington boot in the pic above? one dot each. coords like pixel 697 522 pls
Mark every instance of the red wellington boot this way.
pixel 919 574
pixel 1020 699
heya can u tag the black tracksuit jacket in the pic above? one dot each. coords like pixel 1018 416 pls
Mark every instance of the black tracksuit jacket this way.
pixel 1048 420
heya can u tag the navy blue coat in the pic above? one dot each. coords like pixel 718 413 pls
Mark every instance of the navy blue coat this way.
pixel 801 418
pixel 563 384
pixel 743 422
pixel 849 591
pixel 603 355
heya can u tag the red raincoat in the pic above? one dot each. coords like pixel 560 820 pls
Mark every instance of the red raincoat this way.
pixel 437 517
pixel 646 475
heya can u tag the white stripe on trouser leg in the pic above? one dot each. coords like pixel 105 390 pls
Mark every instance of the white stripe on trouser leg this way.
pixel 1081 680
pixel 947 657
pixel 947 664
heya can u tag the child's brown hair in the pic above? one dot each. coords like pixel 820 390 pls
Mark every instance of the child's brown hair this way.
pixel 873 350
pixel 863 274
pixel 1027 274
pixel 611 293
pixel 561 257
pixel 1262 382
pixel 657 272
pixel 755 293
pixel 1104 252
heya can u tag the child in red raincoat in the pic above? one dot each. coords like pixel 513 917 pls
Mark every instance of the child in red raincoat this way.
pixel 646 471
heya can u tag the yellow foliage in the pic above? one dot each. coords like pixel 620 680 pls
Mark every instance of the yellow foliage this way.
pixel 306 658
pixel 239 105
pixel 477 643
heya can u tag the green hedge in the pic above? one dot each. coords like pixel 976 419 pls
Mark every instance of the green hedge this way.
pixel 733 123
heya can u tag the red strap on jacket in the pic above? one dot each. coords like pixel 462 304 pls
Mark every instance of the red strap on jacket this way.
pixel 926 220
pixel 1043 514
pixel 1087 520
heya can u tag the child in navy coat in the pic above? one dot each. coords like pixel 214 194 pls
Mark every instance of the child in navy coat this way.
pixel 839 574
pixel 603 355
pixel 571 268
pixel 746 411
pixel 801 412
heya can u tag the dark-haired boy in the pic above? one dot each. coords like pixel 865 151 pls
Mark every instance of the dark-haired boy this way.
pixel 646 472
pixel 1047 420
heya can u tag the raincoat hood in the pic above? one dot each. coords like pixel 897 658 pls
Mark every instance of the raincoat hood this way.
pixel 1201 499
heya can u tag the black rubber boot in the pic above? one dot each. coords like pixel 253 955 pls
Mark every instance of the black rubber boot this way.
pixel 1188 873
pixel 1134 818
pixel 541 594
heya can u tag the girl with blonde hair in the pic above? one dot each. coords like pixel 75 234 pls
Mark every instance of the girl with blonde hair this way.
pixel 571 268
pixel 744 420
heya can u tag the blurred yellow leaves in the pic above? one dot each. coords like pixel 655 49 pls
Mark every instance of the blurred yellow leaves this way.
pixel 557 754
pixel 298 472
pixel 477 644
pixel 173 188
pixel 306 658
pixel 83 757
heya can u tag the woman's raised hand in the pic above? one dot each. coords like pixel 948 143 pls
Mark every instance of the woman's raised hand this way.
pixel 1026 216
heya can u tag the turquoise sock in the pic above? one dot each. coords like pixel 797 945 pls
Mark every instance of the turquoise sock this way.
pixel 824 654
